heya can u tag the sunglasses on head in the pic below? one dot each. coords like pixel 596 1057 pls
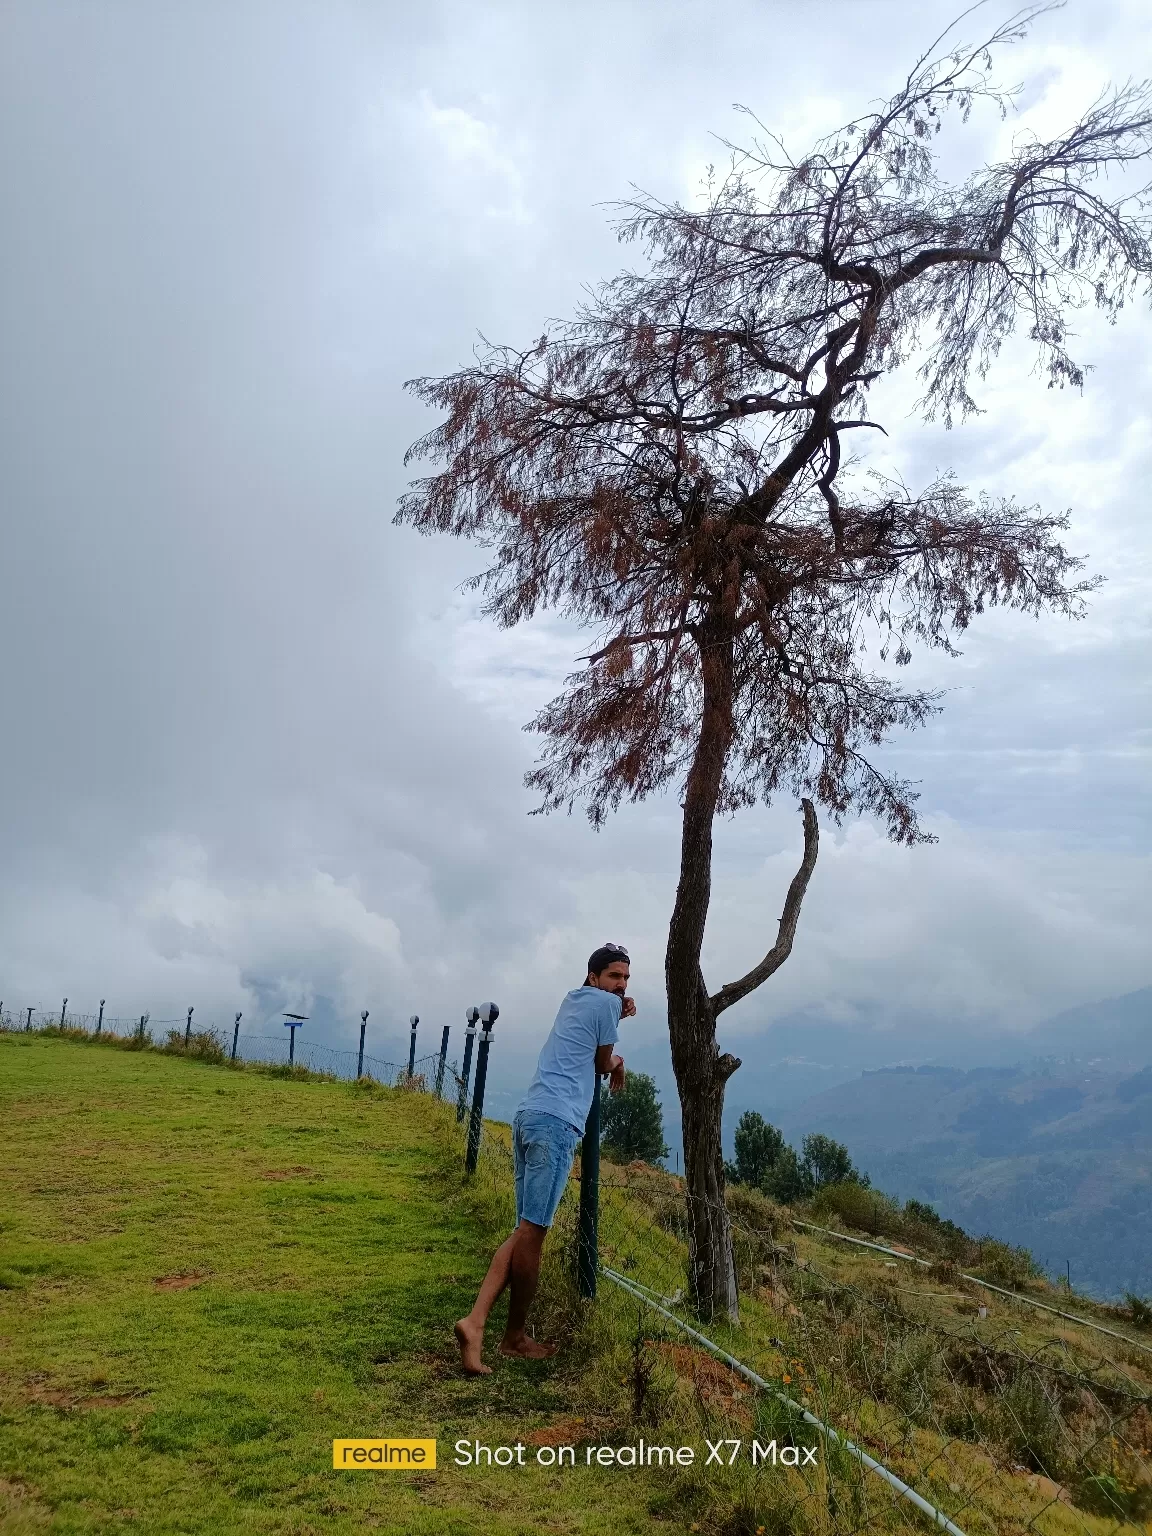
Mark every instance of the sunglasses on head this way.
pixel 616 949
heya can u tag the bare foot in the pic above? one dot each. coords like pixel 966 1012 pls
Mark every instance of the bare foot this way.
pixel 525 1348
pixel 471 1339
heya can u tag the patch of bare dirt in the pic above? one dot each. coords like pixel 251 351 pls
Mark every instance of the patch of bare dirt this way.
pixel 52 1397
pixel 1046 1487
pixel 563 1432
pixel 778 1300
pixel 181 1281
pixel 715 1383
pixel 284 1173
pixel 76 1398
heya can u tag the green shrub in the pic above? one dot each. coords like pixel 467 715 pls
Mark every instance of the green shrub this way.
pixel 756 1221
pixel 293 1073
pixel 945 1271
pixel 671 1213
pixel 912 1373
pixel 766 1514
pixel 749 1208
pixel 1004 1265
pixel 1027 1422
pixel 201 1045
pixel 1139 1310
pixel 858 1206
pixel 1127 1498
pixel 924 1227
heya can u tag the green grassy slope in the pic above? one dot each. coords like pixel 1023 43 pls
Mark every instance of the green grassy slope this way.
pixel 207 1275
pixel 210 1275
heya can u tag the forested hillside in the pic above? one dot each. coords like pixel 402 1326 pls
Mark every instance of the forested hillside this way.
pixel 1057 1158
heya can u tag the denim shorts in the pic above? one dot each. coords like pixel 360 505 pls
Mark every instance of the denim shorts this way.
pixel 543 1147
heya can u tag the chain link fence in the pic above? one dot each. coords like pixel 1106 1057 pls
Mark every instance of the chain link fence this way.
pixel 214 1044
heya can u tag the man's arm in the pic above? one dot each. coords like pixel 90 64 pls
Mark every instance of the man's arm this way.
pixel 611 1066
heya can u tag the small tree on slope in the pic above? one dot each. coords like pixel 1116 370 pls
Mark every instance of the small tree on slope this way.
pixel 632 1122
pixel 669 468
pixel 758 1146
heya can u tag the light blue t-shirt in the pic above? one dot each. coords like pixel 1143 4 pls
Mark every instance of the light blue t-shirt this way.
pixel 565 1077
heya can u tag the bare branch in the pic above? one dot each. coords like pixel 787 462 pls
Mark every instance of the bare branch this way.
pixel 622 642
pixel 733 991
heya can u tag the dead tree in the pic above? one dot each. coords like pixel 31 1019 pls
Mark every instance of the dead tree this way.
pixel 669 468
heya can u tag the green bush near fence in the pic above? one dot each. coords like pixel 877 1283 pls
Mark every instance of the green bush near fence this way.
pixel 858 1206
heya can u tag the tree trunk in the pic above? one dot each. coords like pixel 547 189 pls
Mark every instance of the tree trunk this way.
pixel 711 1269
pixel 701 1071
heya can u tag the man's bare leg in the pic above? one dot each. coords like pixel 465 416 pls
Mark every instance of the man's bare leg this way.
pixel 524 1277
pixel 469 1330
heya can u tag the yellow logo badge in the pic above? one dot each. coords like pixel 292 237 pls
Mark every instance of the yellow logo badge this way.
pixel 384 1455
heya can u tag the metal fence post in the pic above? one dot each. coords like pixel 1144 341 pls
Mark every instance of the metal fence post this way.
pixel 144 1017
pixel 413 1020
pixel 236 1034
pixel 63 1011
pixel 28 1024
pixel 360 1058
pixel 188 1027
pixel 587 1249
pixel 100 1017
pixel 489 1013
pixel 440 1063
pixel 469 1043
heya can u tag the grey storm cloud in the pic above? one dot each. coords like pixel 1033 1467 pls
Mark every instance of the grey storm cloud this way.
pixel 258 747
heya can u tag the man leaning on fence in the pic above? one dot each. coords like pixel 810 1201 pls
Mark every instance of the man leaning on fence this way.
pixel 545 1134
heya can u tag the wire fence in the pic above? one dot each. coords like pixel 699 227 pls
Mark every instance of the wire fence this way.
pixel 860 1388
pixel 213 1043
pixel 846 1397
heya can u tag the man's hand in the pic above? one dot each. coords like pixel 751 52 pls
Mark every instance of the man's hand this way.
pixel 628 1008
pixel 616 1076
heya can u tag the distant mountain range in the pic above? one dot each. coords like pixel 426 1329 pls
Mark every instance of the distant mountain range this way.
pixel 805 1054
pixel 1057 1158
pixel 1042 1138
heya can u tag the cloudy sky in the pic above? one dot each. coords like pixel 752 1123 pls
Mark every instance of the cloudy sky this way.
pixel 258 751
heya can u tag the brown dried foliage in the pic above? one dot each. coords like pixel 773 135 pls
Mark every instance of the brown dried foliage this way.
pixel 669 466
